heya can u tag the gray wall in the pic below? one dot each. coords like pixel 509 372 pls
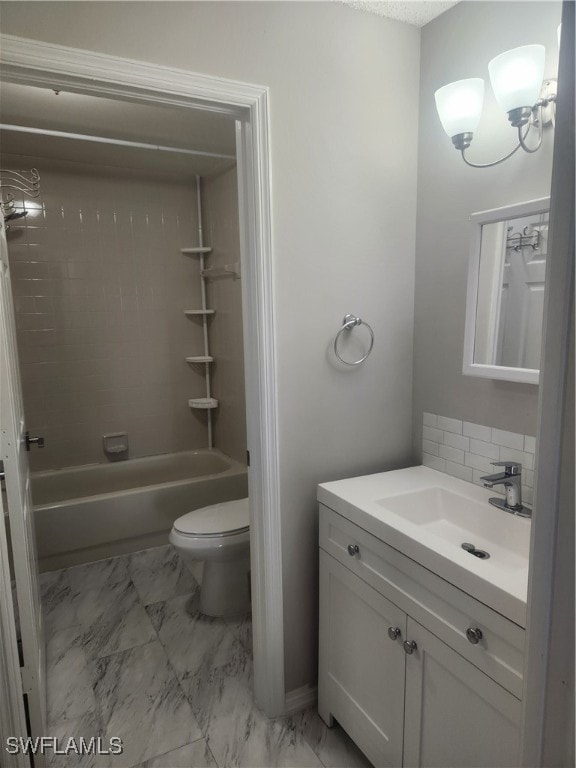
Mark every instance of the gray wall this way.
pixel 343 207
pixel 459 44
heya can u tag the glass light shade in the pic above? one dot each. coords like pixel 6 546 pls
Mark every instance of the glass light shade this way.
pixel 517 75
pixel 459 105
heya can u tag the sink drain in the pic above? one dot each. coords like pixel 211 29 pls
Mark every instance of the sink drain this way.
pixel 479 553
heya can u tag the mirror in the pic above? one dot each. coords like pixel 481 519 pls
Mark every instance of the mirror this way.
pixel 505 300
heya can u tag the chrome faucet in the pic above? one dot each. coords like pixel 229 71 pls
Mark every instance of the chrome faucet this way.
pixel 511 479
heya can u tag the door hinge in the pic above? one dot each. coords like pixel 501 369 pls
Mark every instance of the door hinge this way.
pixel 28 679
pixel 247 458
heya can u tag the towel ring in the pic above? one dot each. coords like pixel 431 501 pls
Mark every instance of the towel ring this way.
pixel 348 323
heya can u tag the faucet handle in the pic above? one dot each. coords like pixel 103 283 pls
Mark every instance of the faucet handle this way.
pixel 510 467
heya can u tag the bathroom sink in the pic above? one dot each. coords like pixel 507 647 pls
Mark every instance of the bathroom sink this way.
pixel 428 516
pixel 430 504
pixel 459 519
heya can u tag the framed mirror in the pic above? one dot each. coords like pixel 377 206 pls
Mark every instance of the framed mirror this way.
pixel 505 300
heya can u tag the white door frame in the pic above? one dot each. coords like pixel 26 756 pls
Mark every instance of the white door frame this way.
pixel 550 644
pixel 12 714
pixel 31 62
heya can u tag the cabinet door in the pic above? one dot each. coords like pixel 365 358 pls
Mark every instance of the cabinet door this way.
pixel 455 714
pixel 361 676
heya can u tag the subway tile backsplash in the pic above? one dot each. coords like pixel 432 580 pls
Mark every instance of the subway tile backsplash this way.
pixel 465 450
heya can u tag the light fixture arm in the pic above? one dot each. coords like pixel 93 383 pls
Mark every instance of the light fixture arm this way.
pixel 502 159
pixel 536 120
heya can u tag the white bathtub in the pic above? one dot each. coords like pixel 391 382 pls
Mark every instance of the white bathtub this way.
pixel 87 513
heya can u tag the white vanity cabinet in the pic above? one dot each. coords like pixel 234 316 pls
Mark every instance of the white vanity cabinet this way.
pixel 397 668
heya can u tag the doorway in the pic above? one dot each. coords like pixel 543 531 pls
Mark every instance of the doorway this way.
pixel 73 71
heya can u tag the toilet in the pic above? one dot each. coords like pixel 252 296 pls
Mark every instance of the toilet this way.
pixel 219 535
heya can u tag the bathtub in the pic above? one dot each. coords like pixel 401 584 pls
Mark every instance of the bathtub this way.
pixel 88 513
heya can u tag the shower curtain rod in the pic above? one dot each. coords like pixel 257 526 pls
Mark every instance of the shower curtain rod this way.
pixel 116 142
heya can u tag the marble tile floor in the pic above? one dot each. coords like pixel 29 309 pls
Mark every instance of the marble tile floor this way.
pixel 129 655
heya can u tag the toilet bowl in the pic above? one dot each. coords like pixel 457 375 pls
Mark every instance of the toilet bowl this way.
pixel 219 535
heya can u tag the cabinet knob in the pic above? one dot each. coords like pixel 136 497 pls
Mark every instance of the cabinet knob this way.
pixel 474 635
pixel 410 646
pixel 353 549
pixel 394 633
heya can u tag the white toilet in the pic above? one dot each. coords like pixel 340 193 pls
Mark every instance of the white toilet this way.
pixel 220 536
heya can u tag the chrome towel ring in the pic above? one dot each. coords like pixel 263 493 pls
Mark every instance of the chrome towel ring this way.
pixel 348 323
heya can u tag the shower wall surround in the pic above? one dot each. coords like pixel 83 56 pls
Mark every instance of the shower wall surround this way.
pixel 100 287
pixel 221 231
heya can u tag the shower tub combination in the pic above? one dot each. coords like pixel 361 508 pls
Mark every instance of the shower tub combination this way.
pixel 88 513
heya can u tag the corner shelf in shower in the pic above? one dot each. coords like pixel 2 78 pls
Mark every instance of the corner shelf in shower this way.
pixel 193 312
pixel 195 251
pixel 228 270
pixel 204 403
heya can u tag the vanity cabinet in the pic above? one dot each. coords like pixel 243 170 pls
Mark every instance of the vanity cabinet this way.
pixel 397 668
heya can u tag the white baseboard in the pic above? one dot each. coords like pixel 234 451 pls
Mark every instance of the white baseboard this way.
pixel 300 698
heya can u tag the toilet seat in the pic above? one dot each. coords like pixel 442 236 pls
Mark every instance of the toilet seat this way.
pixel 228 518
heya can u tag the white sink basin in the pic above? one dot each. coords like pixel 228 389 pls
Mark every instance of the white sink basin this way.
pixel 428 515
pixel 458 519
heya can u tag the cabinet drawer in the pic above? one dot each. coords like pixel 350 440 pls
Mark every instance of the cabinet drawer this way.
pixel 443 608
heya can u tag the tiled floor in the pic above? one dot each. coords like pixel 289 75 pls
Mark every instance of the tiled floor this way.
pixel 129 655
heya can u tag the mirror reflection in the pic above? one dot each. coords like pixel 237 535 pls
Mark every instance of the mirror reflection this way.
pixel 510 302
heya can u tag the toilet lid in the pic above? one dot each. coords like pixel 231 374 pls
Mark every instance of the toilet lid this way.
pixel 216 520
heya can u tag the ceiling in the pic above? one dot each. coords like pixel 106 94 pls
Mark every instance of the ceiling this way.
pixel 415 12
pixel 188 129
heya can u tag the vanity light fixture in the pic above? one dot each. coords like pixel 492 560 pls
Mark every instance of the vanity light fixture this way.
pixel 516 78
